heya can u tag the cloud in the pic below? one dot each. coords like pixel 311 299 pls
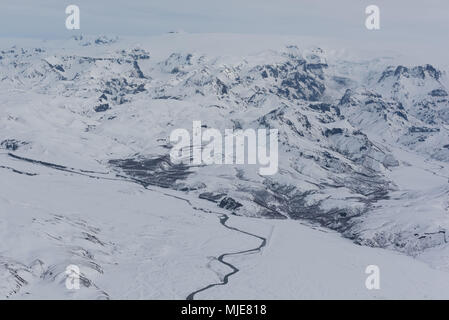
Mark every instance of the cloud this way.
pixel 424 23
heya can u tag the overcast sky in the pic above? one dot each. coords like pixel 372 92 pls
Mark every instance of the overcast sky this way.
pixel 425 22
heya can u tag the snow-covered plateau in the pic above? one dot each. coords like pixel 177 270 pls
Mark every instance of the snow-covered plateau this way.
pixel 86 178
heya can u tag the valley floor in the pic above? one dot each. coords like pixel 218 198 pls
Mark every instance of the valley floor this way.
pixel 135 243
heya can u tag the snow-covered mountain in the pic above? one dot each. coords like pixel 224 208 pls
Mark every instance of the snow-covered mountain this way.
pixel 363 150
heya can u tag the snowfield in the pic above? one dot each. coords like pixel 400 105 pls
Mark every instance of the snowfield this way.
pixel 86 180
pixel 135 243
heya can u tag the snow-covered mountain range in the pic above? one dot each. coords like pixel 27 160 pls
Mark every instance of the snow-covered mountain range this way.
pixel 84 138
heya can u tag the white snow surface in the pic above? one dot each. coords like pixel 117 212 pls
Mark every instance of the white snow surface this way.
pixel 375 172
pixel 134 243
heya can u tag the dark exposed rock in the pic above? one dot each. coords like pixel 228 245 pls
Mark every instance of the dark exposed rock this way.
pixel 159 171
pixel 229 203
pixel 346 99
pixel 102 107
pixel 105 40
pixel 222 88
pixel 166 98
pixel 210 196
pixel 438 93
pixel 138 70
pixel 333 131
pixel 419 72
pixel 422 130
pixel 401 114
pixel 12 144
pixel 323 107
